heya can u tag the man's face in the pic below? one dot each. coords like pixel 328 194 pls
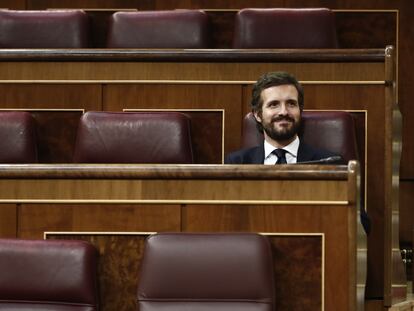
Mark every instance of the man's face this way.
pixel 280 115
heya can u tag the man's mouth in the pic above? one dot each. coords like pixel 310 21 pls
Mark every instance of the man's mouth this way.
pixel 283 121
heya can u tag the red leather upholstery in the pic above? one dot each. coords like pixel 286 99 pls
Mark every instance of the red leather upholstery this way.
pixel 141 137
pixel 17 137
pixel 206 271
pixel 52 275
pixel 185 29
pixel 329 130
pixel 44 29
pixel 284 29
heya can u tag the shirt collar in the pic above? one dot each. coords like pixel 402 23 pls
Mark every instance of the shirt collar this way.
pixel 292 148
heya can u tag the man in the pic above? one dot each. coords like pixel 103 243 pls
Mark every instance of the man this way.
pixel 277 104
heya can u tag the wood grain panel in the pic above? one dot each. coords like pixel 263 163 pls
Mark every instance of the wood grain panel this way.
pixel 56 135
pixel 251 218
pixel 62 4
pixel 8 221
pixel 34 219
pixel 366 29
pixel 13 4
pixel 51 96
pixel 298 272
pixel 406 212
pixel 185 71
pixel 147 189
pixel 181 96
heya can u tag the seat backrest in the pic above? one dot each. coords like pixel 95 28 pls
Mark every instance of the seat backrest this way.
pixel 49 275
pixel 329 130
pixel 284 29
pixel 133 137
pixel 44 29
pixel 185 29
pixel 17 137
pixel 206 271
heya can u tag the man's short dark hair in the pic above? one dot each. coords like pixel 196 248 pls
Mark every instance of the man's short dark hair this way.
pixel 273 79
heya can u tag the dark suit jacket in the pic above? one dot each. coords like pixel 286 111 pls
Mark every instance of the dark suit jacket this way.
pixel 255 155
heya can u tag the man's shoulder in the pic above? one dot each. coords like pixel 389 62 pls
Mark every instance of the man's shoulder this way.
pixel 253 155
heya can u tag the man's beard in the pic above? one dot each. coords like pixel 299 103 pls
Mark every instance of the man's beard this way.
pixel 284 133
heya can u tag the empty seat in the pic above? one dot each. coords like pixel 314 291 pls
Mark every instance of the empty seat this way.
pixel 328 130
pixel 48 275
pixel 133 137
pixel 44 29
pixel 185 29
pixel 206 271
pixel 284 29
pixel 17 137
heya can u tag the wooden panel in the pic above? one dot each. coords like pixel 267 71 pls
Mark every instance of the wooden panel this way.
pixel 51 96
pixel 47 4
pixel 8 221
pixel 13 4
pixel 152 189
pixel 406 212
pixel 56 135
pixel 366 29
pixel 35 219
pixel 298 285
pixel 182 96
pixel 186 71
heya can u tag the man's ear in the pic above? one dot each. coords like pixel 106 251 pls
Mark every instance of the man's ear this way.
pixel 257 116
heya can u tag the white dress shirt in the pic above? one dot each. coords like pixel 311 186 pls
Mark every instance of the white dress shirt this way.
pixel 291 154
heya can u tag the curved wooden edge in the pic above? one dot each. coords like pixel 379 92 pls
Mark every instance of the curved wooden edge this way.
pixel 172 171
pixel 196 55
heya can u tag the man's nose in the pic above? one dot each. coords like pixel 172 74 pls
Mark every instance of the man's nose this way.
pixel 283 109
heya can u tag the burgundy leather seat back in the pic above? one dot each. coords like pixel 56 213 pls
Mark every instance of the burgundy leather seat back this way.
pixel 17 137
pixel 329 130
pixel 44 29
pixel 138 137
pixel 185 29
pixel 284 29
pixel 206 271
pixel 47 275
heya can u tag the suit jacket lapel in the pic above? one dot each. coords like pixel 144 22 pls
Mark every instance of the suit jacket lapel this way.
pixel 257 155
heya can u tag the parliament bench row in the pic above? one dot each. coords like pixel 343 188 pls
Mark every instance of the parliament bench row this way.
pixel 63 274
pixel 184 29
pixel 158 137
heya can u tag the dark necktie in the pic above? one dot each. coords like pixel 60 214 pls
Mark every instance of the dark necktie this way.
pixel 281 156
